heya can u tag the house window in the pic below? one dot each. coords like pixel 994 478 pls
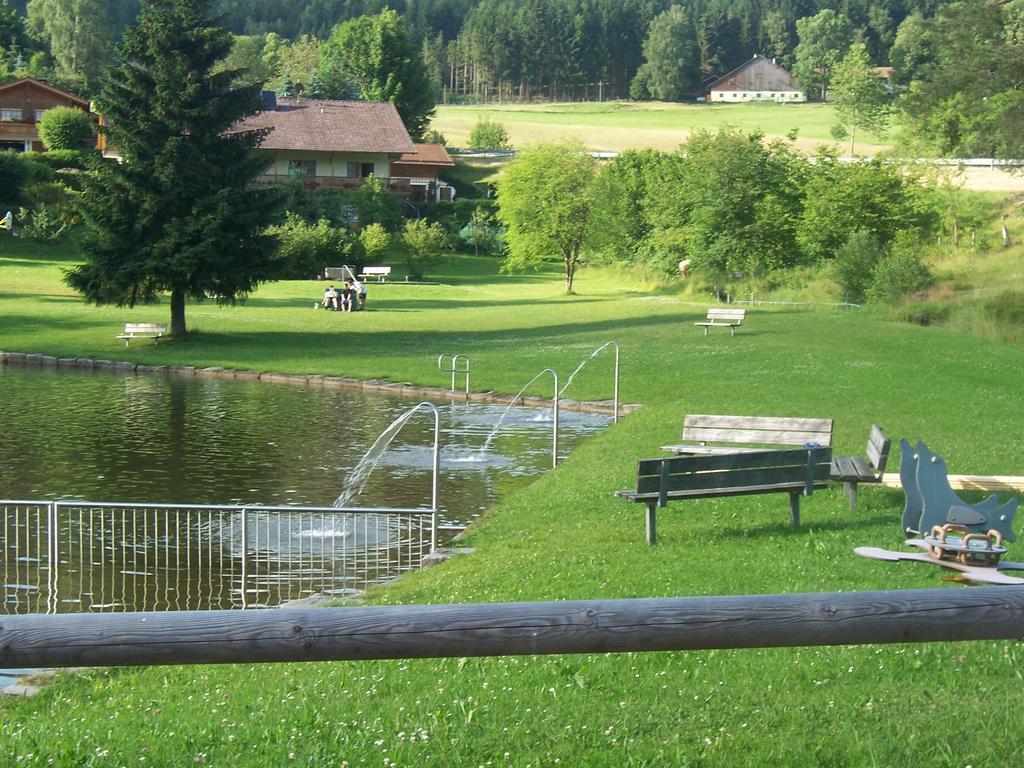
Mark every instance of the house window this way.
pixel 359 170
pixel 302 167
pixel 39 114
pixel 10 115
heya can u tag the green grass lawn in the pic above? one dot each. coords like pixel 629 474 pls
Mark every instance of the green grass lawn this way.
pixel 616 125
pixel 566 537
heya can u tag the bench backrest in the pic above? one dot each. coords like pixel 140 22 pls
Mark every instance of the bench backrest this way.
pixel 145 328
pixel 799 468
pixel 726 315
pixel 878 449
pixel 757 430
pixel 376 270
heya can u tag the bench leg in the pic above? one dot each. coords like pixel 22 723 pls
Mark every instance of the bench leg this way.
pixel 705 330
pixel 794 510
pixel 851 494
pixel 732 330
pixel 650 523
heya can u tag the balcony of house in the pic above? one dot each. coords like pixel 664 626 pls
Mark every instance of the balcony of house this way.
pixel 396 186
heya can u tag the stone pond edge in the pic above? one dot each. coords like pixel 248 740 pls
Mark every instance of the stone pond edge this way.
pixel 404 389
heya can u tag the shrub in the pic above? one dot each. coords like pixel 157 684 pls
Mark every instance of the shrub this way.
pixel 374 242
pixel 67 128
pixel 423 243
pixel 15 174
pixel 488 134
pixel 43 224
pixel 855 264
pixel 900 272
pixel 304 249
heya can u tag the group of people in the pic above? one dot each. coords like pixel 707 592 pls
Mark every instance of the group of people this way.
pixel 352 296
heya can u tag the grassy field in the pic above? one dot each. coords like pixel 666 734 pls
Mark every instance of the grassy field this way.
pixel 566 537
pixel 615 126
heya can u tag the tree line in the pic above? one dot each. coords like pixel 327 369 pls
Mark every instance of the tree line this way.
pixel 956 66
pixel 727 204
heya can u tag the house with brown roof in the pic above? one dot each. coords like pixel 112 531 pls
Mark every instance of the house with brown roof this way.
pixel 423 169
pixel 22 103
pixel 759 79
pixel 332 144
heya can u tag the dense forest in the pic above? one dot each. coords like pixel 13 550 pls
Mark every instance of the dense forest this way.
pixel 572 49
pixel 957 68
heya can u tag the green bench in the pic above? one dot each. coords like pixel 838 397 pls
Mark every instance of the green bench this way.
pixel 852 470
pixel 796 472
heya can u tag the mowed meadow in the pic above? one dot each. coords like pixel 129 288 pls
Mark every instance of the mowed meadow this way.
pixel 619 125
pixel 566 537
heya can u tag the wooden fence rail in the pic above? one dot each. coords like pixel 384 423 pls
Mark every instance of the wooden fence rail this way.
pixel 496 629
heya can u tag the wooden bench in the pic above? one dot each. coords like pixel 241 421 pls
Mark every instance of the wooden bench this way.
pixel 738 434
pixel 380 274
pixel 851 470
pixel 142 331
pixel 722 317
pixel 794 471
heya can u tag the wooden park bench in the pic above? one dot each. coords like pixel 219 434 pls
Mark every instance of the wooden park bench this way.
pixel 851 470
pixel 738 434
pixel 380 274
pixel 722 317
pixel 795 471
pixel 142 331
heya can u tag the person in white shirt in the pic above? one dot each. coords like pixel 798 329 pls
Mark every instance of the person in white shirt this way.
pixel 360 291
pixel 330 298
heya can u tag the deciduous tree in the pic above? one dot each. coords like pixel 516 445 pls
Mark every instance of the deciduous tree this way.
pixel 376 54
pixel 859 95
pixel 179 213
pixel 545 199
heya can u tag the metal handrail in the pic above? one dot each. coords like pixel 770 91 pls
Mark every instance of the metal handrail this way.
pixel 454 367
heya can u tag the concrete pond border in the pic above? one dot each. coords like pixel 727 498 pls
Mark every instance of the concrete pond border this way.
pixel 383 386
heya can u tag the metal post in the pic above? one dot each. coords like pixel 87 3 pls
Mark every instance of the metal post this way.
pixel 433 485
pixel 245 549
pixel 554 420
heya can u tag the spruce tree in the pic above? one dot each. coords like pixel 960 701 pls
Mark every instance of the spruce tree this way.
pixel 178 214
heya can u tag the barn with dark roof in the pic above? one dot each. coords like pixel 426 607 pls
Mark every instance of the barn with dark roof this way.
pixel 759 79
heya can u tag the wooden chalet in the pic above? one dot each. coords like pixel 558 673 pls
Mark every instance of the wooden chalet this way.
pixel 22 103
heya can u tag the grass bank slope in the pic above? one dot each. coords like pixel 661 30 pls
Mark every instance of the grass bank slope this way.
pixel 566 537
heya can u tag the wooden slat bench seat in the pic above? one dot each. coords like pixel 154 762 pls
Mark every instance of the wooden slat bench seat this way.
pixel 380 274
pixel 142 330
pixel 706 433
pixel 722 317
pixel 796 472
pixel 851 470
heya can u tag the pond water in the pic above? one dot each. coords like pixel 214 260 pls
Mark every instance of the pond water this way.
pixel 178 440
pixel 102 436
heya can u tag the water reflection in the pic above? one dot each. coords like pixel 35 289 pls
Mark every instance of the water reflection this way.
pixel 107 436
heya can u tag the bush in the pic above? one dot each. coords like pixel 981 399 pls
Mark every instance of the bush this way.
pixel 488 134
pixel 423 243
pixel 374 242
pixel 15 174
pixel 304 249
pixel 66 128
pixel 43 224
pixel 902 271
pixel 855 264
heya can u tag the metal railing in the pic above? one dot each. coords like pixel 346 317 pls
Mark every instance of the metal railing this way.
pixel 70 556
pixel 453 367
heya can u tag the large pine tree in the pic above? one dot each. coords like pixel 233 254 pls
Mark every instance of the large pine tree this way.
pixel 179 214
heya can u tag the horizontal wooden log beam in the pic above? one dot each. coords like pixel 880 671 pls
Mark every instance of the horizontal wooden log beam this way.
pixel 1008 483
pixel 497 629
